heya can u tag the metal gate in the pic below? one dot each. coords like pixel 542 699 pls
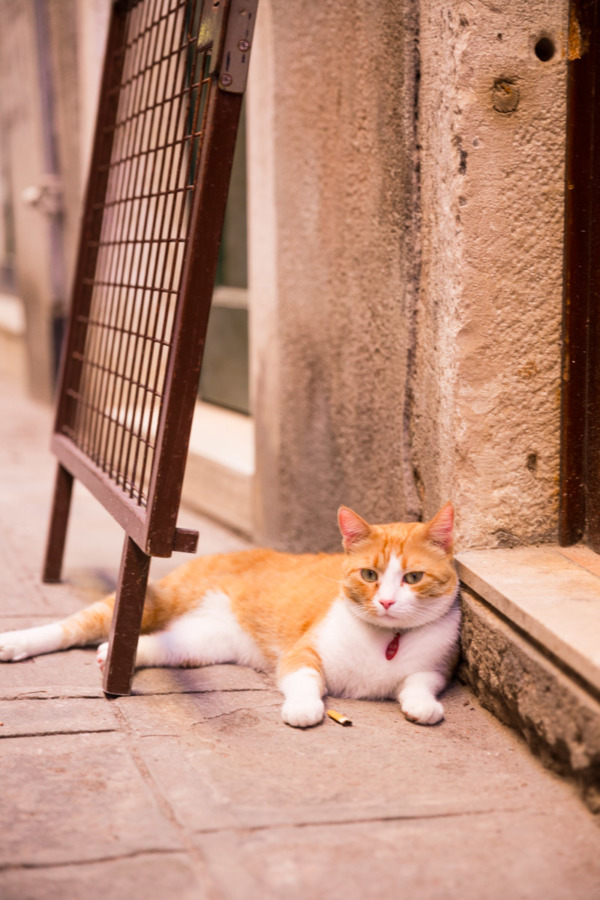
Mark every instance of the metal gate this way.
pixel 174 76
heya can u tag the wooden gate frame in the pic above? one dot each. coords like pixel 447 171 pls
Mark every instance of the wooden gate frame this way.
pixel 215 42
pixel 579 491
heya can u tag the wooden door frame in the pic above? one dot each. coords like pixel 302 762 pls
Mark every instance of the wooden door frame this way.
pixel 579 512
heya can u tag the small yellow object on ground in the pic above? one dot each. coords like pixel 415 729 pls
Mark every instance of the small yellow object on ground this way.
pixel 338 717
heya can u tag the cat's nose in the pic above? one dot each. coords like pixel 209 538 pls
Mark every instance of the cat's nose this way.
pixel 387 603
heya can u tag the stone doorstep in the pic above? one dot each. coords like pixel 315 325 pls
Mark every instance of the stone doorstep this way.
pixel 220 467
pixel 531 651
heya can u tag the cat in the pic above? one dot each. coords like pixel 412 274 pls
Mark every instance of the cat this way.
pixel 378 621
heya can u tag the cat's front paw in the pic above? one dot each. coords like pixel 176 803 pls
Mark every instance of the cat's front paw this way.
pixel 422 710
pixel 15 646
pixel 101 654
pixel 303 713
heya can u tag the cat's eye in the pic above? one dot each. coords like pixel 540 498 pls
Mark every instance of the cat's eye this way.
pixel 369 575
pixel 413 577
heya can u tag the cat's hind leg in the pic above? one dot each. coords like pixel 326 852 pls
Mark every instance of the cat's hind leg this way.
pixel 207 635
pixel 18 645
pixel 88 626
pixel 171 647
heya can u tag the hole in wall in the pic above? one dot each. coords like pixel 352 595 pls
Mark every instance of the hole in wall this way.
pixel 532 462
pixel 545 49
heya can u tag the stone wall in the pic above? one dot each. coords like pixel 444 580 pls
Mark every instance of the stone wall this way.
pixel 492 133
pixel 333 204
pixel 406 224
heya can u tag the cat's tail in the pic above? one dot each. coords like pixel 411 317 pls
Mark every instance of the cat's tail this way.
pixel 87 627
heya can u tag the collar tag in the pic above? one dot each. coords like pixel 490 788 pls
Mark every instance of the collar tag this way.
pixel 392 647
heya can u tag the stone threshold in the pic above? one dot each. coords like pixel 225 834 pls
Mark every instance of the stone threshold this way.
pixel 531 650
pixel 552 598
pixel 219 473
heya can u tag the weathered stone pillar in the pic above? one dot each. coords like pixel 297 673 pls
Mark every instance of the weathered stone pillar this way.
pixel 492 132
pixel 333 207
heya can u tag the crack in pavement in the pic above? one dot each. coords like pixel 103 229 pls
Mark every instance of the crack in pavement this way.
pixel 361 820
pixel 151 851
pixel 232 712
pixel 240 829
pixel 93 694
pixel 34 734
pixel 194 853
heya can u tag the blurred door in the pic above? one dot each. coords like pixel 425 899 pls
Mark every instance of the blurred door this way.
pixel 33 195
pixel 580 451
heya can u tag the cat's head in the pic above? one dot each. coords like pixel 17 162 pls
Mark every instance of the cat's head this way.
pixel 399 575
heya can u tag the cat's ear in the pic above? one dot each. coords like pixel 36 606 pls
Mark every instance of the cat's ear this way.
pixel 353 527
pixel 439 529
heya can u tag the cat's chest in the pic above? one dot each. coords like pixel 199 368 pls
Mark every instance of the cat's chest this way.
pixel 357 661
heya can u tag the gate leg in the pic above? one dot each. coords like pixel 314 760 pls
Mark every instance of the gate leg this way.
pixel 127 619
pixel 57 532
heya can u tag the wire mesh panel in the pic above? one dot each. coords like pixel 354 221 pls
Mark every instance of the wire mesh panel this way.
pixel 134 266
pixel 161 104
pixel 174 76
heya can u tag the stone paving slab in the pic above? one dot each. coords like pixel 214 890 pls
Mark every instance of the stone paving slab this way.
pixel 19 596
pixel 22 591
pixel 71 673
pixel 471 857
pixel 165 715
pixel 25 594
pixel 90 569
pixel 193 787
pixel 143 875
pixel 55 716
pixel 198 681
pixel 232 765
pixel 75 798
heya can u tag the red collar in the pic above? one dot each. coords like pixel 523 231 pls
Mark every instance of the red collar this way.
pixel 392 647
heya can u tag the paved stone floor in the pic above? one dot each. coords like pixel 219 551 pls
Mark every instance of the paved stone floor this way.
pixel 193 787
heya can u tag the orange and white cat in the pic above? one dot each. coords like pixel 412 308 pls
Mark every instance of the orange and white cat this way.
pixel 379 621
